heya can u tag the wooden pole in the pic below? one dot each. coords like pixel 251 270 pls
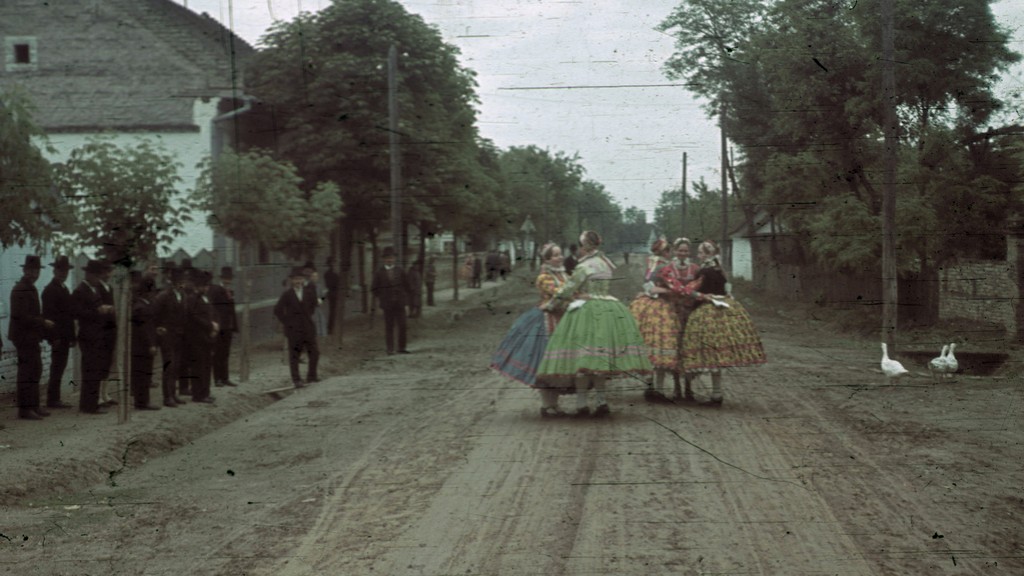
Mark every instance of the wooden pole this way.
pixel 682 228
pixel 123 362
pixel 725 189
pixel 889 278
pixel 396 158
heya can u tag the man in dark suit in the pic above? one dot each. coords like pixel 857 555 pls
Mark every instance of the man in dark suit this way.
pixel 202 331
pixel 143 340
pixel 169 318
pixel 26 331
pixel 59 309
pixel 97 330
pixel 391 288
pixel 294 309
pixel 222 298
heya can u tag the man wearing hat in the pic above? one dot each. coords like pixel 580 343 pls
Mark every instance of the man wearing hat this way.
pixel 143 338
pixel 26 331
pixel 97 333
pixel 391 289
pixel 294 309
pixel 222 297
pixel 169 318
pixel 59 309
pixel 202 330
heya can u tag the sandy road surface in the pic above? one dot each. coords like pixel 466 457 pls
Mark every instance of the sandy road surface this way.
pixel 428 464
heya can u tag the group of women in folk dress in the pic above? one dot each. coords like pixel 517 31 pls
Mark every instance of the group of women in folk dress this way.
pixel 579 336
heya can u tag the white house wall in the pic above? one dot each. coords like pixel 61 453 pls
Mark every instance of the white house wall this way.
pixel 189 149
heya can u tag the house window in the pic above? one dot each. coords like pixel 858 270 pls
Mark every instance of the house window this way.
pixel 20 53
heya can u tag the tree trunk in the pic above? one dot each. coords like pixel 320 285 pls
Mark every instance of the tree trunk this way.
pixel 245 278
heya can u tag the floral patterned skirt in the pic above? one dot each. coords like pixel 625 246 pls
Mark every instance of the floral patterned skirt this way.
pixel 658 322
pixel 599 338
pixel 718 337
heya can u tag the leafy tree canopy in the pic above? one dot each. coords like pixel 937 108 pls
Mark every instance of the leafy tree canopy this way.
pixel 124 199
pixel 25 176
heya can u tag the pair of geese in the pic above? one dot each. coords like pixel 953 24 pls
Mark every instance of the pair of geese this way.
pixel 945 363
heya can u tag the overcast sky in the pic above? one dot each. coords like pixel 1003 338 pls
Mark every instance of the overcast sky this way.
pixel 599 64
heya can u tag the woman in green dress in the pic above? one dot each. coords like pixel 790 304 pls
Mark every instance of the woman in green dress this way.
pixel 597 339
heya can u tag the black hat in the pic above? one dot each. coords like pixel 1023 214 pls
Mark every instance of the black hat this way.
pixel 227 272
pixel 186 263
pixel 177 274
pixel 32 262
pixel 62 263
pixel 309 264
pixel 168 265
pixel 202 278
pixel 387 251
pixel 94 267
pixel 297 272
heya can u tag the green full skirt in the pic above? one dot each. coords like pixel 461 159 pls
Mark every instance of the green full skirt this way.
pixel 599 338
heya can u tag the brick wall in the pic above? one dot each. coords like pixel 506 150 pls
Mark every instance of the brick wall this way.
pixel 983 290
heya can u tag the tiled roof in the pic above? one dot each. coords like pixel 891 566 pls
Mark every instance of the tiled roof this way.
pixel 121 64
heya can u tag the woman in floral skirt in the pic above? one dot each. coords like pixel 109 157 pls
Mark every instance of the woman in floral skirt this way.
pixel 597 338
pixel 521 351
pixel 719 332
pixel 686 271
pixel 655 311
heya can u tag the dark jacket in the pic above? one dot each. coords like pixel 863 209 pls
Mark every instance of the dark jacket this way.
pixel 391 287
pixel 143 326
pixel 169 313
pixel 95 328
pixel 59 308
pixel 200 319
pixel 295 315
pixel 223 302
pixel 27 323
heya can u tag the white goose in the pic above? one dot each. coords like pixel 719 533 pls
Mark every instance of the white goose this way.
pixel 951 364
pixel 938 365
pixel 891 368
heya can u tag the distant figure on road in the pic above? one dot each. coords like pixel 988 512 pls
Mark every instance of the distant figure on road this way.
pixel 391 287
pixel 597 338
pixel 570 260
pixel 294 309
pixel 430 278
pixel 719 333
pixel 477 271
pixel 332 281
pixel 522 349
pixel 414 278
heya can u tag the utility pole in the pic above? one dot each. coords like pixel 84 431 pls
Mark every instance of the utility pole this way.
pixel 889 279
pixel 396 157
pixel 725 189
pixel 682 229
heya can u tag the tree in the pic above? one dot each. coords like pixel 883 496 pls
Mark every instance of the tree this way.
pixel 324 74
pixel 126 208
pixel 799 80
pixel 546 187
pixel 124 198
pixel 29 205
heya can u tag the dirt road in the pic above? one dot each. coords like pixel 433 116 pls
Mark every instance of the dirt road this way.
pixel 428 464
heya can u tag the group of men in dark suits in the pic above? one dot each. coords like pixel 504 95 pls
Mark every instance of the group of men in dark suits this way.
pixel 189 322
pixel 192 321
